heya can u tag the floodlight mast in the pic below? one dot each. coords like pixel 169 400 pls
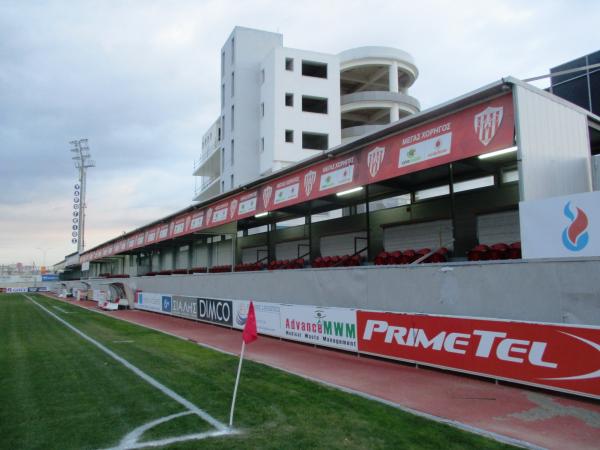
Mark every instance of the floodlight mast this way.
pixel 82 163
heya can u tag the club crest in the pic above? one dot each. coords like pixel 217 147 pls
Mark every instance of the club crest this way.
pixel 487 122
pixel 374 160
pixel 267 196
pixel 233 208
pixel 309 181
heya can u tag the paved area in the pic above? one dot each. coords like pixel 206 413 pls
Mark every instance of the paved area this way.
pixel 535 417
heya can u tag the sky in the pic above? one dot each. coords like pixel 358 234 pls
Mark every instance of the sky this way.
pixel 140 80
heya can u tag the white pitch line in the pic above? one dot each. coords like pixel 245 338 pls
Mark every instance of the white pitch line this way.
pixel 143 375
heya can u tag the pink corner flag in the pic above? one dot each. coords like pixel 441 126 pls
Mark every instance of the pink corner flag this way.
pixel 249 334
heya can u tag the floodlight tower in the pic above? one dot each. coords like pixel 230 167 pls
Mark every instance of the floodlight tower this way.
pixel 82 162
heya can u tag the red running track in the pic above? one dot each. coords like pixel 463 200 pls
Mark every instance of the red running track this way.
pixel 533 417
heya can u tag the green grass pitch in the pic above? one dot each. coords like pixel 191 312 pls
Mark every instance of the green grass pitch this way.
pixel 59 391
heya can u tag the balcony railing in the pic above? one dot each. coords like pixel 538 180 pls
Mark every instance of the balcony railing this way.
pixel 204 156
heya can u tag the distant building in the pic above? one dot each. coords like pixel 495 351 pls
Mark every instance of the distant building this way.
pixel 581 88
pixel 281 105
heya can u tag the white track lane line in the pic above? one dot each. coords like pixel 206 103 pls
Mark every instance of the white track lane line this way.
pixel 224 429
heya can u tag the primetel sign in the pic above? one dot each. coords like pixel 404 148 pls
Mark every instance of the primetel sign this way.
pixel 567 226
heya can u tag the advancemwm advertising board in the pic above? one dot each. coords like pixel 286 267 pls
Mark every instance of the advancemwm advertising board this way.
pixel 565 358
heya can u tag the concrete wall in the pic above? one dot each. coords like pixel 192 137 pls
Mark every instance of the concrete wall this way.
pixel 557 291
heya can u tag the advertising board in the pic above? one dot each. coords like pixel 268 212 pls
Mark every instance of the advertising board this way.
pixel 331 327
pixel 268 320
pixel 215 311
pixel 53 276
pixel 184 306
pixel 16 290
pixel 150 302
pixel 566 226
pixel 561 357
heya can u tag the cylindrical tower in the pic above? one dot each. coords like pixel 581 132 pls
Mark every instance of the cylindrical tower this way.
pixel 374 84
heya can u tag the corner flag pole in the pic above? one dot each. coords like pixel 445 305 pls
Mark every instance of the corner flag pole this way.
pixel 237 381
pixel 249 335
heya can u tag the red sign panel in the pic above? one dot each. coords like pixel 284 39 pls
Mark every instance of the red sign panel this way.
pixel 476 130
pixel 559 357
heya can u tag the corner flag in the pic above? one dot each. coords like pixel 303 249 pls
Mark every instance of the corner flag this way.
pixel 249 335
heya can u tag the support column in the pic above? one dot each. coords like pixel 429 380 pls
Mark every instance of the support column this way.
pixel 394 113
pixel 393 77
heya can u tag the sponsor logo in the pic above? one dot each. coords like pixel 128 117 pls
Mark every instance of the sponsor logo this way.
pixel 233 208
pixel 374 160
pixel 460 343
pixel 487 123
pixel 336 333
pixel 166 303
pixel 178 228
pixel 216 311
pixel 185 307
pixel 242 314
pixel 267 196
pixel 196 222
pixel 575 236
pixel 309 181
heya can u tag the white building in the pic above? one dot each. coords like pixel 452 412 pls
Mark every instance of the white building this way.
pixel 281 105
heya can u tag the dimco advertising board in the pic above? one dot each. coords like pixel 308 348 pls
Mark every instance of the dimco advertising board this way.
pixel 331 327
pixel 184 306
pixel 565 358
pixel 268 318
pixel 215 311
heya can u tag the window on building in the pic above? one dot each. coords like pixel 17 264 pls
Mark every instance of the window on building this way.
pixel 291 222
pixel 222 160
pixel 262 76
pixel 232 50
pixel 232 151
pixel 289 135
pixel 232 83
pixel 475 183
pixel 262 109
pixel 314 104
pixel 222 186
pixel 289 64
pixel 262 144
pixel 437 191
pixel 231 187
pixel 510 175
pixel 315 141
pixel 258 230
pixel 219 134
pixel 222 63
pixel 321 217
pixel 222 96
pixel 232 117
pixel 314 69
pixel 289 99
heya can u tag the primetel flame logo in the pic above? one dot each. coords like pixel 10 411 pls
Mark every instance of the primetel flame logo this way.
pixel 574 236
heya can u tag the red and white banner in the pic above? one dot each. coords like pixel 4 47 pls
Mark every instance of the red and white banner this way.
pixel 479 129
pixel 559 357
